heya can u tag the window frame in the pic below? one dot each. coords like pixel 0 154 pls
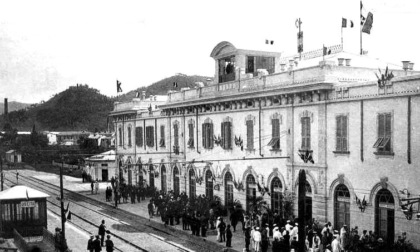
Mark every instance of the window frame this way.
pixel 207 135
pixel 384 127
pixel 226 132
pixel 190 142
pixel 250 135
pixel 275 134
pixel 305 132
pixel 342 134
pixel 162 136
pixel 139 136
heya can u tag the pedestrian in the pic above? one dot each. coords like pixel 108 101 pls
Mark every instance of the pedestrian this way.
pixel 247 238
pixel 101 232
pixel 109 245
pixel 96 186
pixel 335 245
pixel 222 228
pixel 57 239
pixel 218 229
pixel 265 240
pixel 344 238
pixel 257 239
pixel 97 244
pixel 90 245
pixel 316 244
pixel 150 207
pixel 228 237
pixel 276 245
pixel 92 185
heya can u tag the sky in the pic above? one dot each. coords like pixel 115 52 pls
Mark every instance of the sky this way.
pixel 47 46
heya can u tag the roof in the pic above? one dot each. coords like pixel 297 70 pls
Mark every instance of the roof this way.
pixel 106 156
pixel 66 133
pixel 21 192
pixel 11 151
pixel 247 45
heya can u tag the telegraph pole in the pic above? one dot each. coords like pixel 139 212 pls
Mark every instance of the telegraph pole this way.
pixel 63 217
pixel 2 175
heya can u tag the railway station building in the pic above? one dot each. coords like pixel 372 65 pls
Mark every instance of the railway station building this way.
pixel 267 116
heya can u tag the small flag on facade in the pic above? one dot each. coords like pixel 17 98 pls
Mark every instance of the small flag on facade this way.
pixel 343 23
pixel 368 24
pixel 27 195
pixel 175 84
pixel 119 89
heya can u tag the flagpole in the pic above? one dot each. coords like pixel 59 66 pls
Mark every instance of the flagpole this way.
pixel 342 36
pixel 360 18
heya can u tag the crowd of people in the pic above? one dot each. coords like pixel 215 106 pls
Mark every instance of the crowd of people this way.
pixel 260 230
pixel 95 243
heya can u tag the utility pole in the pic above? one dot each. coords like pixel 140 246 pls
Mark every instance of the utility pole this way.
pixel 63 217
pixel 2 175
pixel 301 211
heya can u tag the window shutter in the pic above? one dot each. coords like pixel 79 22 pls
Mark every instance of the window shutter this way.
pixel 344 132
pixel 191 131
pixel 308 133
pixel 223 135
pixel 203 134
pixel 229 135
pixel 250 134
pixel 176 141
pixel 303 132
pixel 381 128
pixel 152 136
pixel 210 137
pixel 338 133
pixel 388 125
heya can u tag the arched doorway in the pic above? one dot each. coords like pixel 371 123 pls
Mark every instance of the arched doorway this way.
pixel 163 178
pixel 228 189
pixel 276 196
pixel 209 184
pixel 251 191
pixel 385 215
pixel 341 206
pixel 192 183
pixel 151 176
pixel 308 202
pixel 176 180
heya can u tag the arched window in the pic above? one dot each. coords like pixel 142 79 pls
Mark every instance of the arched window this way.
pixel 385 215
pixel 228 189
pixel 276 195
pixel 341 206
pixel 209 184
pixel 163 178
pixel 251 191
pixel 192 183
pixel 176 180
pixel 151 176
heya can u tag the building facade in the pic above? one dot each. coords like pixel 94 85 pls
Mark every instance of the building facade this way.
pixel 265 118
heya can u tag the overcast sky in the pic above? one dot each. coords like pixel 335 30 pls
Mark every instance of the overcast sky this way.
pixel 46 46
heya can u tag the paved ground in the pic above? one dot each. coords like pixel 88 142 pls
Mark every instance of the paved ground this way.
pixel 76 185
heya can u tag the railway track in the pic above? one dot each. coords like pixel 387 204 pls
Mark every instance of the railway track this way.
pixel 140 224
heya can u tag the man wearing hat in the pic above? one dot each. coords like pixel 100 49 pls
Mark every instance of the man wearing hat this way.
pixel 97 244
pixel 257 239
pixel 276 233
pixel 288 226
pixel 90 244
pixel 335 244
pixel 109 244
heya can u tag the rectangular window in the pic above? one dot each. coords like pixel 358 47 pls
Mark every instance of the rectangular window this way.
pixel 190 143
pixel 257 62
pixel 226 129
pixel 208 140
pixel 150 136
pixel 275 134
pixel 306 133
pixel 383 142
pixel 341 134
pixel 162 136
pixel 139 136
pixel 250 135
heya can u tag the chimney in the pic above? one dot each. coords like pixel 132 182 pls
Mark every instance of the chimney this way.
pixel 143 95
pixel 6 109
pixel 348 62
pixel 410 65
pixel 340 61
pixel 405 64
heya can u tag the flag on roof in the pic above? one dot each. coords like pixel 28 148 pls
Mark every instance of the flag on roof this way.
pixel 119 89
pixel 344 23
pixel 368 24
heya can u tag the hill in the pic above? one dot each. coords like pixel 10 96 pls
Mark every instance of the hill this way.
pixel 83 108
pixel 77 108
pixel 13 106
pixel 163 86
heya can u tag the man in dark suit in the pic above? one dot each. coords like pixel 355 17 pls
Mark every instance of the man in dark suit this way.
pixel 97 244
pixel 90 245
pixel 101 232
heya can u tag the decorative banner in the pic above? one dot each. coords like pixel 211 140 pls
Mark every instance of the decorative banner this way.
pixel 300 41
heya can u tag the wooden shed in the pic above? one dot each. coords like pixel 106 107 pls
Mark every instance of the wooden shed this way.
pixel 24 209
